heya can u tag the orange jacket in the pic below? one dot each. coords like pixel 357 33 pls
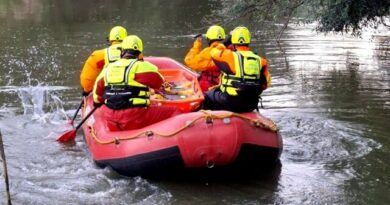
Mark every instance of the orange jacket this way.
pixel 200 60
pixel 91 70
pixel 225 59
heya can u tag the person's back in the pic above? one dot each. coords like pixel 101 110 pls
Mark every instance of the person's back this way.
pixel 200 60
pixel 127 83
pixel 244 76
pixel 124 89
pixel 99 58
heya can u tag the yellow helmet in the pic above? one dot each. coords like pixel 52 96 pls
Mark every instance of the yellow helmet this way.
pixel 241 36
pixel 117 33
pixel 215 33
pixel 132 42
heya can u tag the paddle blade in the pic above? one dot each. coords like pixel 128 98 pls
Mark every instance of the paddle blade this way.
pixel 67 136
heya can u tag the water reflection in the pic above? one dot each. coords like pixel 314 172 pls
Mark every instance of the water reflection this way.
pixel 340 78
pixel 326 65
pixel 64 33
pixel 22 10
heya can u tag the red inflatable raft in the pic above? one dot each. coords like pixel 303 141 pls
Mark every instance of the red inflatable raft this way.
pixel 192 140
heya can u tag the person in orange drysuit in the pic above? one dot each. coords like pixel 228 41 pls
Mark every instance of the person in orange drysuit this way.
pixel 123 88
pixel 244 76
pixel 200 60
pixel 96 61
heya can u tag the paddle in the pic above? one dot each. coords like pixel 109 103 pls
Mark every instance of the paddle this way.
pixel 77 111
pixel 71 135
pixel 197 36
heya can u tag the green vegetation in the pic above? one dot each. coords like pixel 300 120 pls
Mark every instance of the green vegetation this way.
pixel 350 15
pixel 345 16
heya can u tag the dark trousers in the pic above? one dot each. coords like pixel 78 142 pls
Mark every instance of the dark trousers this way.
pixel 215 99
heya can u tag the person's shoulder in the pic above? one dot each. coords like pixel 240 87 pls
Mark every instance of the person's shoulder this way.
pixel 101 50
pixel 217 44
pixel 114 46
pixel 218 49
pixel 120 62
pixel 264 61
pixel 220 46
pixel 149 64
pixel 98 52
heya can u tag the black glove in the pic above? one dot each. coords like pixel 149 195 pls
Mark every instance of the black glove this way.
pixel 85 94
pixel 95 104
pixel 228 40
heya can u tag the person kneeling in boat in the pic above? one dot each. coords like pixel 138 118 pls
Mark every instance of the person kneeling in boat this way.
pixel 200 60
pixel 123 88
pixel 244 76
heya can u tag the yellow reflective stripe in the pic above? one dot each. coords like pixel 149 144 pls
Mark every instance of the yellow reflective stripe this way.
pixel 143 93
pixel 131 75
pixel 140 101
pixel 106 56
pixel 106 76
pixel 237 64
pixel 128 70
pixel 241 65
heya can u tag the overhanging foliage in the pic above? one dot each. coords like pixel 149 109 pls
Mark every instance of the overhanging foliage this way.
pixel 346 16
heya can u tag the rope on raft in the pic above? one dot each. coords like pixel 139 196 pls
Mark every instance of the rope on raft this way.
pixel 207 116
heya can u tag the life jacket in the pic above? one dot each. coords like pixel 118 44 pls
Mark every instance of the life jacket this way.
pixel 121 91
pixel 112 53
pixel 246 80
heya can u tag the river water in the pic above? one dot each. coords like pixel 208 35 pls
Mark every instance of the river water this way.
pixel 332 104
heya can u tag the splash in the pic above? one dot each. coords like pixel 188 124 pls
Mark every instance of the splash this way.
pixel 42 103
